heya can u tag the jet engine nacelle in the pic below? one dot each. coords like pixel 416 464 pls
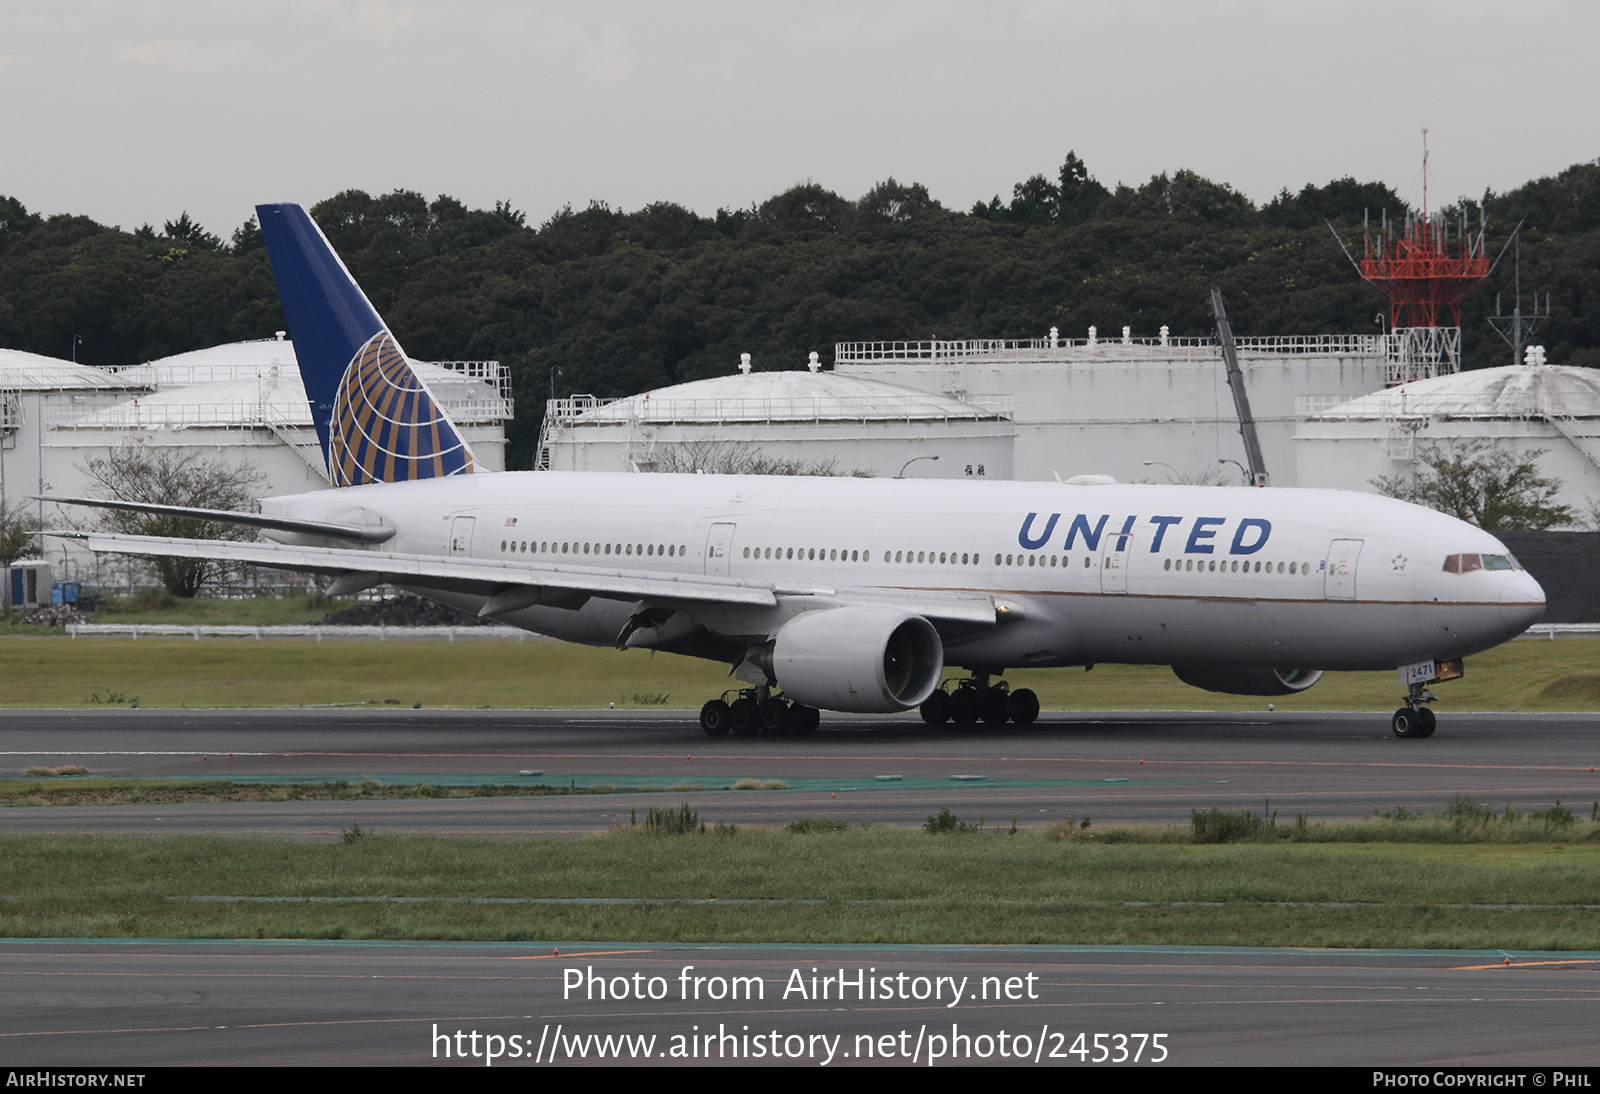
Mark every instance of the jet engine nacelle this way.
pixel 870 659
pixel 1248 681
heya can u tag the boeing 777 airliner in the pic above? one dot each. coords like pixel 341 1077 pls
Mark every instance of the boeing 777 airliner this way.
pixel 855 594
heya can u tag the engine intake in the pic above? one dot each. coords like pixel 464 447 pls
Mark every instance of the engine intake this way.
pixel 1248 681
pixel 869 659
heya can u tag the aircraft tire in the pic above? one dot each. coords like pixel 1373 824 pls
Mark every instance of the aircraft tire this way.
pixel 1406 723
pixel 806 719
pixel 744 717
pixel 1023 706
pixel 1427 721
pixel 935 710
pixel 994 706
pixel 715 719
pixel 775 717
pixel 964 707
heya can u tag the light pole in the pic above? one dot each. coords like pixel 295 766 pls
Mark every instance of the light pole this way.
pixel 1168 466
pixel 1247 480
pixel 911 461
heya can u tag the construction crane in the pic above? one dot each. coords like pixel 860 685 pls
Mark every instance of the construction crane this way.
pixel 1241 400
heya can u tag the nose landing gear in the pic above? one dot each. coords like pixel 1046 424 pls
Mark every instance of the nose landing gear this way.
pixel 1415 720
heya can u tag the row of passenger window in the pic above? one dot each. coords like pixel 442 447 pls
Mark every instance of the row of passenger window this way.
pixel 1204 565
pixel 828 554
pixel 1212 565
pixel 808 554
pixel 824 554
pixel 646 550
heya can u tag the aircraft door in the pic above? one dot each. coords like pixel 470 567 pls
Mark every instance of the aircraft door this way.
pixel 719 549
pixel 1339 582
pixel 1114 558
pixel 461 535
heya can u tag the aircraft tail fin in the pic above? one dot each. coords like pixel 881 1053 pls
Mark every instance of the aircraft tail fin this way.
pixel 376 418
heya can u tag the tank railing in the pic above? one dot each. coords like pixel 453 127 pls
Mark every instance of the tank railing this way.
pixel 241 414
pixel 491 373
pixel 1397 405
pixel 1067 349
pixel 641 409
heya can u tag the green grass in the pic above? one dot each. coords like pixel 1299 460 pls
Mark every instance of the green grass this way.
pixel 813 886
pixel 242 673
pixel 1530 675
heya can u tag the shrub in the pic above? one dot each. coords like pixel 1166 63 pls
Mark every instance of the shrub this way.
pixel 806 825
pixel 672 822
pixel 1557 816
pixel 1219 827
pixel 947 821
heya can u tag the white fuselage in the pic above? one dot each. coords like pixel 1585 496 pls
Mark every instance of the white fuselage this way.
pixel 1285 578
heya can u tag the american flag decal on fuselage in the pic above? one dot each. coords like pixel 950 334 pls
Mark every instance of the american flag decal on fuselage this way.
pixel 386 426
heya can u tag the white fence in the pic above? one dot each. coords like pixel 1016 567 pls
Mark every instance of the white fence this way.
pixel 376 634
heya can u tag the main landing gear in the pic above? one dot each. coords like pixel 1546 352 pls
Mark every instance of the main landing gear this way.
pixel 757 710
pixel 975 700
pixel 1414 719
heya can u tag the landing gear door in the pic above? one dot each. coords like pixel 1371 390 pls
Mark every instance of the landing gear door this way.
pixel 1339 582
pixel 719 549
pixel 461 535
pixel 1114 558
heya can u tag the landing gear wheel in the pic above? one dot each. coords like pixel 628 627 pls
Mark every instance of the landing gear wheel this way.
pixel 744 717
pixel 775 717
pixel 1408 723
pixel 1425 722
pixel 806 719
pixel 1023 705
pixel 715 719
pixel 994 706
pixel 964 707
pixel 935 709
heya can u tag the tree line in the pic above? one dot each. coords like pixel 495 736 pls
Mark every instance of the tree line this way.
pixel 610 302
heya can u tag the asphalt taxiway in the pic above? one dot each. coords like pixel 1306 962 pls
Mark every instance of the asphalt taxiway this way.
pixel 139 1004
pixel 1145 768
pixel 131 1004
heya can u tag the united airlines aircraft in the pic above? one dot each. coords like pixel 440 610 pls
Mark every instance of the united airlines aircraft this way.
pixel 856 594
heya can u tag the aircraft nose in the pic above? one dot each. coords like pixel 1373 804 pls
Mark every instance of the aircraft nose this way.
pixel 1521 602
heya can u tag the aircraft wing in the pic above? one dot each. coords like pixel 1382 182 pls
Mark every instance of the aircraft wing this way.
pixel 551 581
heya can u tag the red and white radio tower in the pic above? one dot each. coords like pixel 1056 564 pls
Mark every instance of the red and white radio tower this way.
pixel 1416 271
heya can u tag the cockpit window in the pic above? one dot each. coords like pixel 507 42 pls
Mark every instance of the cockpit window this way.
pixel 1465 564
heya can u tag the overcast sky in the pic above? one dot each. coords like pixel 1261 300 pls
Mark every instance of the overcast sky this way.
pixel 133 111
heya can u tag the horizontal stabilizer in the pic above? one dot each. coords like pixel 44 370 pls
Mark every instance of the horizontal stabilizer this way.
pixel 359 533
pixel 456 574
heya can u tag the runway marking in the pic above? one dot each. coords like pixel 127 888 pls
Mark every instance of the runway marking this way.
pixel 221 753
pixel 1528 964
pixel 745 761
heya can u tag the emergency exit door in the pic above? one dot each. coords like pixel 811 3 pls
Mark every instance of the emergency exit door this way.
pixel 1339 582
pixel 719 549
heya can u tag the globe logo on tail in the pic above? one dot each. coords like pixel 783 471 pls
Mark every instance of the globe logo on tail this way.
pixel 386 426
